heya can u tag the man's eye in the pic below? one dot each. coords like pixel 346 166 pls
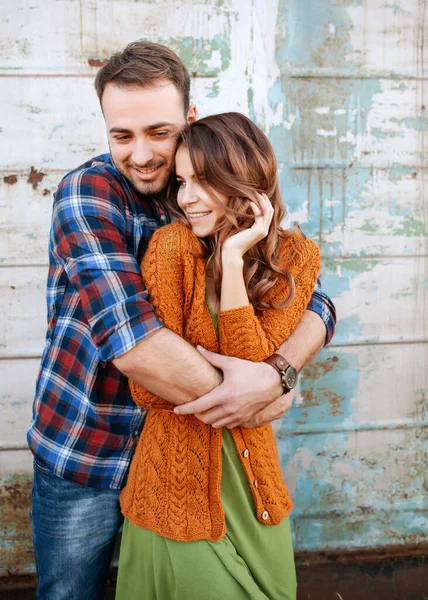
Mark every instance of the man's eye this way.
pixel 161 134
pixel 120 138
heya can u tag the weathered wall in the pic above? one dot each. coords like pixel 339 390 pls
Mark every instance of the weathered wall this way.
pixel 340 87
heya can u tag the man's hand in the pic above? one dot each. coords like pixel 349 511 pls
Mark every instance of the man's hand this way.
pixel 247 389
pixel 275 410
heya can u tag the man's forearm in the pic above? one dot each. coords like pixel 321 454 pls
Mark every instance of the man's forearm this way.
pixel 305 342
pixel 169 367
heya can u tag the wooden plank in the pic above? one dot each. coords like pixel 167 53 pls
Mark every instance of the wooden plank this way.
pixel 369 38
pixel 378 301
pixel 18 379
pixel 74 37
pixel 352 213
pixel 344 390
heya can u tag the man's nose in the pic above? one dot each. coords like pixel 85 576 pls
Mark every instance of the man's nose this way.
pixel 142 152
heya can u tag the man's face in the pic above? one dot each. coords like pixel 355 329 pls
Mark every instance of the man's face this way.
pixel 143 125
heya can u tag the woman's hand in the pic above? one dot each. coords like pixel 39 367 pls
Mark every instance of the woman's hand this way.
pixel 237 245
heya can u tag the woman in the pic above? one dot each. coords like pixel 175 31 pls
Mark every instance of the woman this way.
pixel 207 509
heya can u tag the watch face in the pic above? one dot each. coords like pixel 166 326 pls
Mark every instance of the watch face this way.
pixel 290 377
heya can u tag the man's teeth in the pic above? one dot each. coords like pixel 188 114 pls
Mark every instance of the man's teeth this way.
pixel 198 215
pixel 146 171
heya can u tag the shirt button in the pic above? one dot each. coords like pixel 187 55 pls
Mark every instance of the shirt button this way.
pixel 256 483
pixel 163 217
pixel 265 515
pixel 246 453
pixel 136 433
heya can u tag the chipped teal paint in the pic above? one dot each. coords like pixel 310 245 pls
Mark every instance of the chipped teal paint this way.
pixel 327 390
pixel 324 183
pixel 411 227
pixel 310 40
pixel 328 194
pixel 196 53
pixel 215 89
pixel 394 209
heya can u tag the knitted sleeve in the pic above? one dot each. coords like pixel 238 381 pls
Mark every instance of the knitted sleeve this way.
pixel 162 269
pixel 245 335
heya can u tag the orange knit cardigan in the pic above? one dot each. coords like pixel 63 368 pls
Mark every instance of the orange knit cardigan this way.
pixel 173 486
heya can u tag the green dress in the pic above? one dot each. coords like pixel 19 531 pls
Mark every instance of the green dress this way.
pixel 251 562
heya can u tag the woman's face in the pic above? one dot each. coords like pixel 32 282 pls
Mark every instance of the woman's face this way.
pixel 193 198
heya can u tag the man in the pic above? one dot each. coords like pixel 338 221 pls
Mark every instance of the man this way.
pixel 102 329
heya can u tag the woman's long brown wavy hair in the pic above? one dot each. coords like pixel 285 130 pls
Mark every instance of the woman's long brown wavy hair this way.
pixel 231 155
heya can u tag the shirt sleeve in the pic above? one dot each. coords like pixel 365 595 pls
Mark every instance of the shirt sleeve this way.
pixel 163 270
pixel 323 306
pixel 243 334
pixel 88 237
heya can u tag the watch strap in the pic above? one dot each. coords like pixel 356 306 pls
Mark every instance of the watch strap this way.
pixel 280 364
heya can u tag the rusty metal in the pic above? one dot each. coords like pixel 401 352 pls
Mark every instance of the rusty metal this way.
pixel 96 62
pixel 35 177
pixel 10 179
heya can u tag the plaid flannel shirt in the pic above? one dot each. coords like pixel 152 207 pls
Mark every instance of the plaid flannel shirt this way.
pixel 85 425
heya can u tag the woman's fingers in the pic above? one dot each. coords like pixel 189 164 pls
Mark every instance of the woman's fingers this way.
pixel 263 214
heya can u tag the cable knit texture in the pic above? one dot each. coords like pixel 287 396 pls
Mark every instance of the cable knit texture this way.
pixel 173 486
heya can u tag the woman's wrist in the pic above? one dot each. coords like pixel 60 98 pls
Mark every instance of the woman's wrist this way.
pixel 231 259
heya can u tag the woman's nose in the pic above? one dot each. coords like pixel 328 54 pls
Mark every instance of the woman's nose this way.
pixel 189 196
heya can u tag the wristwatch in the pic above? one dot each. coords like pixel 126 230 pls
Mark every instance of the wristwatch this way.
pixel 288 373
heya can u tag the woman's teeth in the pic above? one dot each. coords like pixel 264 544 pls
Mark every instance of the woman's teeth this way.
pixel 198 215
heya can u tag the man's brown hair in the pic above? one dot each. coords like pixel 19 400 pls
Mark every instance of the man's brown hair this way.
pixel 143 64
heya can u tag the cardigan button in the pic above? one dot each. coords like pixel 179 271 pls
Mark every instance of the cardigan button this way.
pixel 265 515
pixel 246 453
pixel 256 483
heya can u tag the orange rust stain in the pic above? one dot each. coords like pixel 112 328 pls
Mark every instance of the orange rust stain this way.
pixel 316 370
pixel 335 403
pixel 35 177
pixel 10 179
pixel 308 398
pixel 46 192
pixel 96 62
pixel 15 501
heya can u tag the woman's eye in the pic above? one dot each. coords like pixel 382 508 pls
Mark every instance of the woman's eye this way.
pixel 180 183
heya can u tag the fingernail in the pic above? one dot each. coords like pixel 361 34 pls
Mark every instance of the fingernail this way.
pixel 199 347
pixel 177 411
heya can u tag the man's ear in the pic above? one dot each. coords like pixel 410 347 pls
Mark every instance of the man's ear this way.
pixel 192 114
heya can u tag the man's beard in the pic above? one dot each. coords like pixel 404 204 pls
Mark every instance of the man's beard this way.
pixel 147 188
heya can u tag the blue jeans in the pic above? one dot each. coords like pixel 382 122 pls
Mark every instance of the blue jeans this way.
pixel 74 530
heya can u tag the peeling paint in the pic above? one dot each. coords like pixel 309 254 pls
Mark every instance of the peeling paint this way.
pixel 339 87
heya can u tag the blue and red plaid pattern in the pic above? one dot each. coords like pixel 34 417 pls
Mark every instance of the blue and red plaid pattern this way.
pixel 321 304
pixel 85 425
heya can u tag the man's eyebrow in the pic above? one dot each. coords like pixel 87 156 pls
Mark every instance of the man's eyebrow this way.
pixel 160 124
pixel 152 127
pixel 119 130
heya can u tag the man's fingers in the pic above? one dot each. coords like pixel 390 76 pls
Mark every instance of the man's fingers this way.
pixel 216 360
pixel 201 405
pixel 275 410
